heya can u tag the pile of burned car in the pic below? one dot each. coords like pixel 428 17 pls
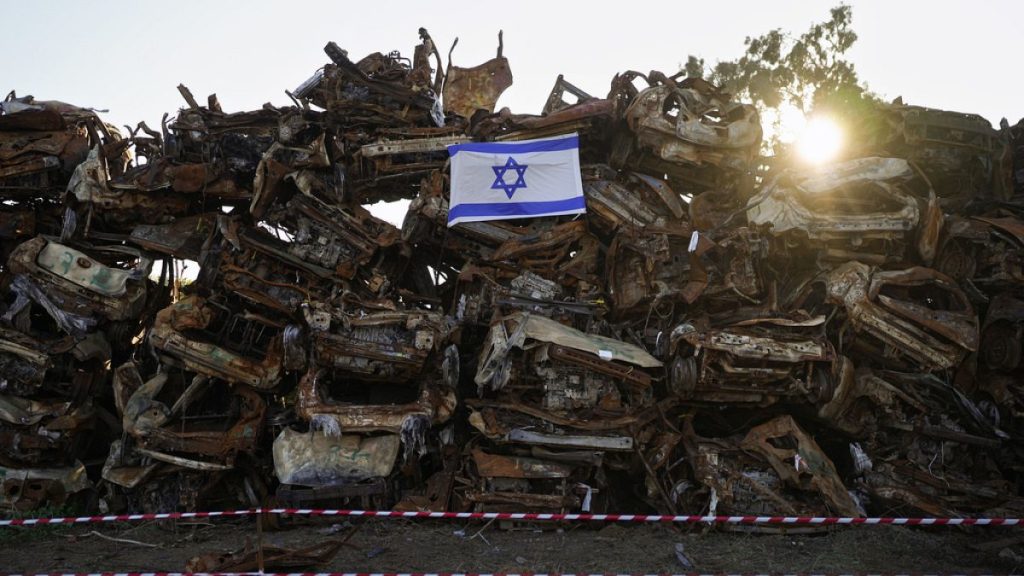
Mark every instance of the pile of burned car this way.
pixel 210 314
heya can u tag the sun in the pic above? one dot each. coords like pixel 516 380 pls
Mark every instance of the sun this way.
pixel 820 141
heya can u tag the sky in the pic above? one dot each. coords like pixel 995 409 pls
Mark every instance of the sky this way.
pixel 128 57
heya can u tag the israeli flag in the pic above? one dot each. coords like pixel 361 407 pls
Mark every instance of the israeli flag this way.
pixel 525 179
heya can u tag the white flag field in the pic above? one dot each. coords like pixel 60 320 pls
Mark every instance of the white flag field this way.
pixel 524 179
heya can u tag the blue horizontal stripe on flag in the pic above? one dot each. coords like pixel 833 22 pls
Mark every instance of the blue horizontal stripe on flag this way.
pixel 553 145
pixel 516 208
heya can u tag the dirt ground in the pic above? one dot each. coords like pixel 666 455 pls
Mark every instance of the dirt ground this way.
pixel 402 546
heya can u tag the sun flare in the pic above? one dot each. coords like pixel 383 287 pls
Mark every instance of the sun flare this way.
pixel 820 141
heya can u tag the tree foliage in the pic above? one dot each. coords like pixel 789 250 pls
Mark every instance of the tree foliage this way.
pixel 809 71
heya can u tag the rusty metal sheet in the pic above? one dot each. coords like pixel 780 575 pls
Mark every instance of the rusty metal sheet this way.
pixel 467 90
pixel 79 269
pixel 546 330
pixel 571 441
pixel 25 489
pixel 318 459
pixel 269 557
pixel 496 465
pixel 182 239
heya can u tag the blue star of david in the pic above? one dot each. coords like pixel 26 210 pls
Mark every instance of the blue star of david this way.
pixel 499 177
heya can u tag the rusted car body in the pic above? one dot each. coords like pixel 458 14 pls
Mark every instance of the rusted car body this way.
pixel 378 383
pixel 986 251
pixel 963 157
pixel 42 143
pixel 1002 332
pixel 918 315
pixel 694 131
pixel 212 339
pixel 204 441
pixel 761 361
pixel 776 469
pixel 84 285
pixel 853 210
pixel 537 381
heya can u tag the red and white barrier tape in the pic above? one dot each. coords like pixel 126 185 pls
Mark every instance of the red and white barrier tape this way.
pixel 124 517
pixel 640 518
pixel 403 574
